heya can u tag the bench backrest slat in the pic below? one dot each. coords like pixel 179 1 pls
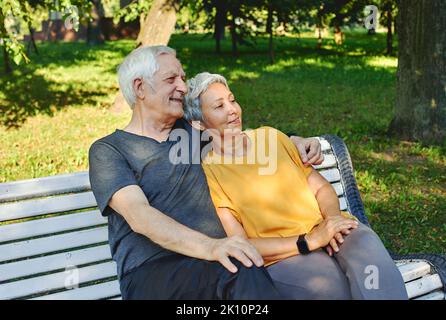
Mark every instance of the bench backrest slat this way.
pixel 33 228
pixel 57 261
pixel 31 208
pixel 40 187
pixel 56 281
pixel 59 242
pixel 98 291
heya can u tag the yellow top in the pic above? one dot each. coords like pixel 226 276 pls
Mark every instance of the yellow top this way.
pixel 266 190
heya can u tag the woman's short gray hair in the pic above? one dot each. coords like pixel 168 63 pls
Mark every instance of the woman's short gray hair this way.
pixel 196 87
pixel 140 63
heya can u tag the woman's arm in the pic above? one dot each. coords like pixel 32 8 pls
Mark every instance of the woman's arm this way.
pixel 328 202
pixel 325 194
pixel 269 248
pixel 276 248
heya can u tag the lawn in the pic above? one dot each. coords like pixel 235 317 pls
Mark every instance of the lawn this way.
pixel 55 107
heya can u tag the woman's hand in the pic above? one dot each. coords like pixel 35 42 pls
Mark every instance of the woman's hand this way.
pixel 337 240
pixel 325 232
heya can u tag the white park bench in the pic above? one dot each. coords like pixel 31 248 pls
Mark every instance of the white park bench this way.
pixel 54 241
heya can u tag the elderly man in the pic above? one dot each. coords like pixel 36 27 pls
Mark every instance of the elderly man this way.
pixel 164 233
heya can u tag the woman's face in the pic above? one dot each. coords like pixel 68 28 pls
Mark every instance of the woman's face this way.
pixel 220 110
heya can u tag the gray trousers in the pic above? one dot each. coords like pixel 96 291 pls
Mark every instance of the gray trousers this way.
pixel 361 269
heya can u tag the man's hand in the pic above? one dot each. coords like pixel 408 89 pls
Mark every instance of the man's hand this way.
pixel 309 150
pixel 236 247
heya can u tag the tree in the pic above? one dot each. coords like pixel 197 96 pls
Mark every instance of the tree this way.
pixel 389 7
pixel 21 10
pixel 420 110
pixel 159 23
pixel 95 35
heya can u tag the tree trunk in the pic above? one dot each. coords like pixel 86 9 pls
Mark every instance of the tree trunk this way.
pixel 220 23
pixel 319 27
pixel 269 29
pixel 3 33
pixel 157 28
pixel 94 30
pixel 6 64
pixel 159 24
pixel 234 37
pixel 338 35
pixel 420 110
pixel 389 30
pixel 32 41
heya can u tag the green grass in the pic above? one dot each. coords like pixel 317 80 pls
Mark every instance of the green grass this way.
pixel 54 108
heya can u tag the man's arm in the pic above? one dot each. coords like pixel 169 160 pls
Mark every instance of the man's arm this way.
pixel 309 150
pixel 132 204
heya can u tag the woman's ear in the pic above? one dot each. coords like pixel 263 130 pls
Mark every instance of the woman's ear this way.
pixel 197 125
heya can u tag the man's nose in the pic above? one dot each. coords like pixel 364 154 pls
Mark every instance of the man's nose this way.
pixel 181 86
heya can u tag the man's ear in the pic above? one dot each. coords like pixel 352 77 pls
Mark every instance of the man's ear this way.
pixel 138 88
pixel 197 125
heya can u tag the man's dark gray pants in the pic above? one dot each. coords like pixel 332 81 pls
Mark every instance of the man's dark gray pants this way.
pixel 362 269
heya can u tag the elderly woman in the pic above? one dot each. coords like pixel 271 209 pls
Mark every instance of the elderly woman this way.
pixel 289 212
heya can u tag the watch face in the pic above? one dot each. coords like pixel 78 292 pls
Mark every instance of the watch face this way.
pixel 302 245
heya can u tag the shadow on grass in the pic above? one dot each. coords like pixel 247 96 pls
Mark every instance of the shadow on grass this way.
pixel 28 91
pixel 28 94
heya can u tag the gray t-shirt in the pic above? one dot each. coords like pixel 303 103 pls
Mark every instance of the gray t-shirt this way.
pixel 178 190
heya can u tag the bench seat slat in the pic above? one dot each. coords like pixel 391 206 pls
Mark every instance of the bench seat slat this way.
pixel 31 208
pixel 41 187
pixel 29 267
pixel 436 295
pixel 423 285
pixel 98 291
pixel 28 229
pixel 414 270
pixel 27 248
pixel 60 280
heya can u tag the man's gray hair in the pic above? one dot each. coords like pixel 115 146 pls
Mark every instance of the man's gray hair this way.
pixel 141 63
pixel 196 87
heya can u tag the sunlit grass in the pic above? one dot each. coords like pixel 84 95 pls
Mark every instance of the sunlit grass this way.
pixel 54 108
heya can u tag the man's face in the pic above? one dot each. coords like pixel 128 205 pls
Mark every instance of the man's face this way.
pixel 220 110
pixel 165 93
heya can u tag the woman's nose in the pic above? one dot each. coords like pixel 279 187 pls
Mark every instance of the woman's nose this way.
pixel 232 108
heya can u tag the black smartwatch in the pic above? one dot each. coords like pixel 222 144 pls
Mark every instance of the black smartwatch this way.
pixel 302 244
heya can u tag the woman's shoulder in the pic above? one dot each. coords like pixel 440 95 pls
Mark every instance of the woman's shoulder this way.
pixel 266 129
